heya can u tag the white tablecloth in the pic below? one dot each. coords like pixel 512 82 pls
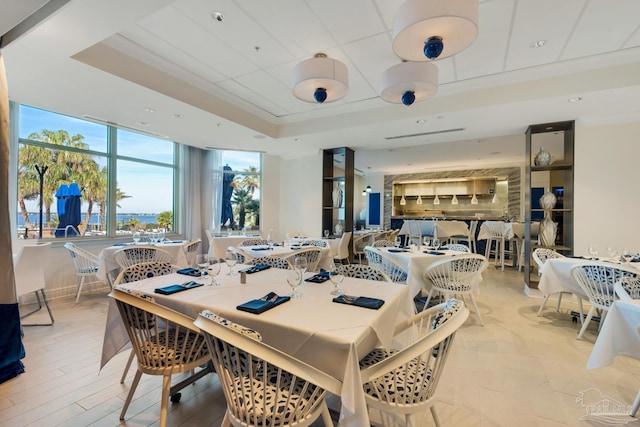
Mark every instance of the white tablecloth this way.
pixel 415 263
pixel 109 266
pixel 332 337
pixel 505 228
pixel 332 243
pixel 619 334
pixel 326 257
pixel 218 245
pixel 556 277
pixel 442 230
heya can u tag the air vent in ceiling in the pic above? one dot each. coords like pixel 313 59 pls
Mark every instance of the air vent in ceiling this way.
pixel 435 132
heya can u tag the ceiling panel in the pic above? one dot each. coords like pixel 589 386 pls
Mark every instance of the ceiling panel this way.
pixel 250 96
pixel 348 20
pixel 372 56
pixel 19 10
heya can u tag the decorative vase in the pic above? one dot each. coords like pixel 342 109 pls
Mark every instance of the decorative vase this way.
pixel 337 195
pixel 548 232
pixel 363 214
pixel 543 158
pixel 548 200
pixel 339 229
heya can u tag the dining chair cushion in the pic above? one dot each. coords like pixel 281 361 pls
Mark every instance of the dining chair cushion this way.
pixel 451 307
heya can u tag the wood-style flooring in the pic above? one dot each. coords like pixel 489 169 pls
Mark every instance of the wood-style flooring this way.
pixel 518 370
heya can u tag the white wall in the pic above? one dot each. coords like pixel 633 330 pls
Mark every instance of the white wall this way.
pixel 607 196
pixel 270 195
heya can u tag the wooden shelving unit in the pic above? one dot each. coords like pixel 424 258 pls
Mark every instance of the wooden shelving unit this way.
pixel 338 169
pixel 559 172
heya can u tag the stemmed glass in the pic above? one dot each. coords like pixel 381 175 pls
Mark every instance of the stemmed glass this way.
pixel 136 237
pixel 326 234
pixel 336 278
pixel 612 251
pixel 593 251
pixel 294 279
pixel 214 267
pixel 231 260
pixel 435 243
pixel 627 255
pixel 398 241
pixel 202 260
pixel 300 263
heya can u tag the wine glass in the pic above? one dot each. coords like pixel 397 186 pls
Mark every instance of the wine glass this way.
pixel 215 264
pixel 326 234
pixel 294 279
pixel 612 251
pixel 435 243
pixel 427 241
pixel 398 241
pixel 300 263
pixel 231 260
pixel 202 261
pixel 627 255
pixel 336 278
pixel 136 237
pixel 593 251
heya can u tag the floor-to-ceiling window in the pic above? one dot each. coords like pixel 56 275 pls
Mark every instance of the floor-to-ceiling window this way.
pixel 121 181
pixel 241 182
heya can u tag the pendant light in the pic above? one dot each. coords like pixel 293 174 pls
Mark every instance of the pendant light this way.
pixel 474 199
pixel 436 200
pixel 419 201
pixel 495 198
pixel 403 201
pixel 454 200
pixel 320 79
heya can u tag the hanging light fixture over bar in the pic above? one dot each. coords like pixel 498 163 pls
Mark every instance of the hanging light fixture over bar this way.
pixel 320 79
pixel 434 29
pixel 408 82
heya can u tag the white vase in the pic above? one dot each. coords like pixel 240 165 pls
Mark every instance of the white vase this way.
pixel 337 195
pixel 548 200
pixel 543 158
pixel 548 232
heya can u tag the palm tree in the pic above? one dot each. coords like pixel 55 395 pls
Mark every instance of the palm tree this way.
pixel 133 223
pixel 165 219
pixel 250 180
pixel 241 200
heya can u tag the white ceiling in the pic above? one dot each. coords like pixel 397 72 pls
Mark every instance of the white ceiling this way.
pixel 228 84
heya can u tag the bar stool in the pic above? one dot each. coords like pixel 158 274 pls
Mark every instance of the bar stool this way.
pixel 498 232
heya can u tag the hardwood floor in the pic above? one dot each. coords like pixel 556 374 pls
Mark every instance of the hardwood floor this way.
pixel 518 370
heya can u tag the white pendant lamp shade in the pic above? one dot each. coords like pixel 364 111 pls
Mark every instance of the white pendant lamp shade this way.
pixel 454 200
pixel 403 201
pixel 320 79
pixel 419 201
pixel 448 26
pixel 495 199
pixel 408 82
pixel 436 200
pixel 474 200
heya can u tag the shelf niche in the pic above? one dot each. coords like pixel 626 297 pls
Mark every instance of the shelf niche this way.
pixel 338 170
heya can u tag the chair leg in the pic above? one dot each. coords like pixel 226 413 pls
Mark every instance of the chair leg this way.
pixel 636 404
pixel 559 301
pixel 164 402
pixel 502 248
pixel 79 289
pixel 580 310
pixel 475 307
pixel 132 390
pixel 544 302
pixel 326 416
pixel 226 421
pixel 434 414
pixel 426 303
pixel 40 303
pixel 132 354
pixel 586 322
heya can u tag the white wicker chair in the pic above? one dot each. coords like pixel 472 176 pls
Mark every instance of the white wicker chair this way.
pixel 359 242
pixel 540 256
pixel 317 243
pixel 628 288
pixel 597 279
pixel 141 253
pixel 29 277
pixel 456 275
pixel 383 243
pixel 165 343
pixel 190 250
pixel 404 380
pixel 253 242
pixel 458 247
pixel 362 271
pixel 85 263
pixel 262 385
pixel 311 253
pixel 380 261
pixel 273 261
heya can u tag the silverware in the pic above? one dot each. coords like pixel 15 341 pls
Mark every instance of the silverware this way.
pixel 349 299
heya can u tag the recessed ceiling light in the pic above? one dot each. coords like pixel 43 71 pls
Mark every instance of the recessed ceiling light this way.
pixel 421 121
pixel 538 43
pixel 297 139
pixel 575 99
pixel 145 124
pixel 149 110
pixel 177 116
pixel 218 16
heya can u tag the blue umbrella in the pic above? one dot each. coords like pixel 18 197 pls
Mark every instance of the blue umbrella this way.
pixel 68 209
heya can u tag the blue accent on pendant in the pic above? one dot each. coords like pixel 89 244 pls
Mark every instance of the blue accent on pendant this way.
pixel 320 95
pixel 408 97
pixel 433 47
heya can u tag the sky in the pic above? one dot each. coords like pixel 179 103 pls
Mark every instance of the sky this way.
pixel 150 187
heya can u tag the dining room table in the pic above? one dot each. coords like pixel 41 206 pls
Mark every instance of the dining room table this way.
pixel 619 335
pixel 330 336
pixel 283 251
pixel 218 245
pixel 415 262
pixel 109 268
pixel 333 243
pixel 442 230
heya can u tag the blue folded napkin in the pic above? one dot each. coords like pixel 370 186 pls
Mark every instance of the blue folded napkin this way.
pixel 398 250
pixel 366 302
pixel 261 249
pixel 433 252
pixel 194 272
pixel 255 268
pixel 635 259
pixel 575 256
pixel 267 302
pixel 318 278
pixel 120 244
